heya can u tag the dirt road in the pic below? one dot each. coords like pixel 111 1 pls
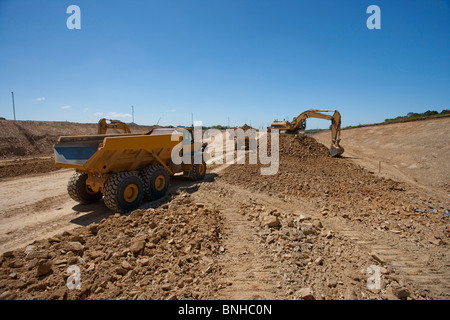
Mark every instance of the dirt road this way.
pixel 37 206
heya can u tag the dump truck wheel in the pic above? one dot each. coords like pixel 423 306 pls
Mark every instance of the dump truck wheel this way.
pixel 79 191
pixel 156 181
pixel 198 171
pixel 124 192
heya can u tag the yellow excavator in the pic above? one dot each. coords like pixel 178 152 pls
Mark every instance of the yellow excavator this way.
pixel 103 126
pixel 299 124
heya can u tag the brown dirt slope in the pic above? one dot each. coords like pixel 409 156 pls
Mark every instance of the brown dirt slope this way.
pixel 37 138
pixel 415 152
pixel 25 166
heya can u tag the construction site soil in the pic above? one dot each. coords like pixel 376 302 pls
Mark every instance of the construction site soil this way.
pixel 321 228
pixel 17 167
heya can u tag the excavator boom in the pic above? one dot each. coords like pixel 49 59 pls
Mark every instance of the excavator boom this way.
pixel 298 123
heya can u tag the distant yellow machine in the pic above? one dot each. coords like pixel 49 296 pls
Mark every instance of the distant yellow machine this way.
pixel 299 124
pixel 103 126
pixel 124 168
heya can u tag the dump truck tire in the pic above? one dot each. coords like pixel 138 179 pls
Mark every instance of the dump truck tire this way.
pixel 123 191
pixel 198 171
pixel 156 182
pixel 79 191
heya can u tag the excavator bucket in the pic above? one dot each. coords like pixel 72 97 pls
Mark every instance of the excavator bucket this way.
pixel 336 151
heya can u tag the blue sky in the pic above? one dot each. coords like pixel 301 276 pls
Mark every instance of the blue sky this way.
pixel 249 61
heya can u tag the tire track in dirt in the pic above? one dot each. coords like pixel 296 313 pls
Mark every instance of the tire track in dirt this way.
pixel 244 264
pixel 413 261
pixel 37 206
pixel 248 268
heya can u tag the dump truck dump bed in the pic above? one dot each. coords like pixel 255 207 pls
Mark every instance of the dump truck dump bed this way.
pixel 115 152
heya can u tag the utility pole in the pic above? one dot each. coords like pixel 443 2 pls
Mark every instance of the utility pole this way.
pixel 132 112
pixel 228 122
pixel 14 107
pixel 192 119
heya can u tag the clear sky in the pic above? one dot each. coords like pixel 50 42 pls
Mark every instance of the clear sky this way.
pixel 249 61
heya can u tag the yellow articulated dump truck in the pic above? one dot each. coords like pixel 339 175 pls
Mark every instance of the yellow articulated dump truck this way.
pixel 124 169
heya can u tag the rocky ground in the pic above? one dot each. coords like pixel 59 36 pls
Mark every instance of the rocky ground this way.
pixel 162 253
pixel 372 217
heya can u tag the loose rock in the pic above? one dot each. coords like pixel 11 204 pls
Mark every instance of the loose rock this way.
pixel 44 267
pixel 305 294
pixel 137 246
pixel 271 221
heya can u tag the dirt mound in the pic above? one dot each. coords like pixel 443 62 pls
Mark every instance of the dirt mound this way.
pixel 20 166
pixel 37 138
pixel 29 138
pixel 301 146
pixel 163 253
pixel 306 170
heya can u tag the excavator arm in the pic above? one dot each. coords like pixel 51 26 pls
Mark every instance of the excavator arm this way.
pixel 103 126
pixel 298 123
